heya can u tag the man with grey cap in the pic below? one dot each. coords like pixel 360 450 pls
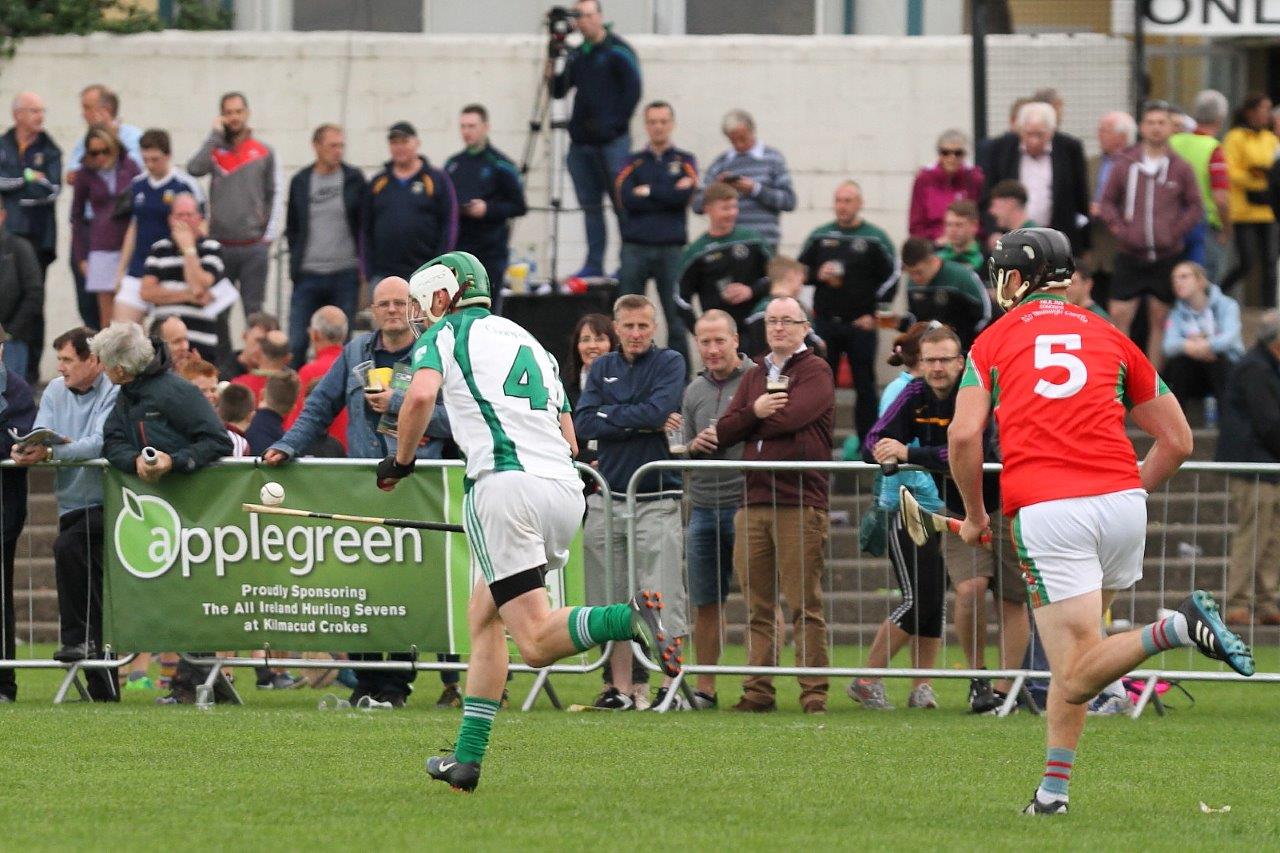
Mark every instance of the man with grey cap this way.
pixel 411 212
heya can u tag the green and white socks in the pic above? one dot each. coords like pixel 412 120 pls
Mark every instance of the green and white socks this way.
pixel 477 721
pixel 591 626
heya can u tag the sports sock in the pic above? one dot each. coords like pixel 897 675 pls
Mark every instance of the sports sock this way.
pixel 473 734
pixel 1057 774
pixel 1170 632
pixel 591 626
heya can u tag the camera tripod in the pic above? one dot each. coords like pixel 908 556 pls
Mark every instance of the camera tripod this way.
pixel 549 117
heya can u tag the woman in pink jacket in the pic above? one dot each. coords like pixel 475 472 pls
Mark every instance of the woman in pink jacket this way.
pixel 936 186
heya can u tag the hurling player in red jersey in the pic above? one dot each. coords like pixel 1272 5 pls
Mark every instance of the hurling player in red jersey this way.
pixel 1059 380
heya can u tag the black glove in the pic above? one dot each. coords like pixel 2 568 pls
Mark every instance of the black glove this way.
pixel 391 472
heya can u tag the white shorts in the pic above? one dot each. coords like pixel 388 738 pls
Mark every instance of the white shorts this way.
pixel 130 293
pixel 1074 546
pixel 517 521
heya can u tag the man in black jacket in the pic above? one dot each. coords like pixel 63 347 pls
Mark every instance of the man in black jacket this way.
pixel 1051 165
pixel 490 194
pixel 18 411
pixel 323 222
pixel 21 297
pixel 606 73
pixel 155 408
pixel 1249 431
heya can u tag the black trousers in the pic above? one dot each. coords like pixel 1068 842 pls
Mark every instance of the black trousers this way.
pixel 1191 379
pixel 1255 244
pixel 77 563
pixel 8 644
pixel 922 577
pixel 859 346
pixel 374 682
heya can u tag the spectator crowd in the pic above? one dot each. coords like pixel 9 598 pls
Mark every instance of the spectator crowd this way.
pixel 1168 222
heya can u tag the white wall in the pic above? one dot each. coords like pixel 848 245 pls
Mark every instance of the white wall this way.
pixel 863 107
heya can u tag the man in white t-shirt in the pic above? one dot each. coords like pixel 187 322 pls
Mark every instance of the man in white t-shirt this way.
pixel 523 503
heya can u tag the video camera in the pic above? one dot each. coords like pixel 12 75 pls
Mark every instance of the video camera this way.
pixel 559 22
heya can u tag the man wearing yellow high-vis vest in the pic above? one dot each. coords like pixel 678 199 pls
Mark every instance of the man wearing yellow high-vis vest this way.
pixel 1207 242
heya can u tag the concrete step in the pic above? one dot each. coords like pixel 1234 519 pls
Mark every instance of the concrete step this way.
pixel 38 604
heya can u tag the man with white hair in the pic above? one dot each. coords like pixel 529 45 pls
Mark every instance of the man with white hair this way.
pixel 1050 164
pixel 30 177
pixel 1206 243
pixel 1116 131
pixel 758 173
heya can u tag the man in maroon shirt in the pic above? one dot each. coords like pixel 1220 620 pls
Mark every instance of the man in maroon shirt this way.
pixel 782 411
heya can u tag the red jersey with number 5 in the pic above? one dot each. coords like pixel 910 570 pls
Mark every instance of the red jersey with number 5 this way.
pixel 1061 380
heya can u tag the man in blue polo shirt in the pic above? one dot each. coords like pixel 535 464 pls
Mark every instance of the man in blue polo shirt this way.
pixel 654 189
pixel 489 195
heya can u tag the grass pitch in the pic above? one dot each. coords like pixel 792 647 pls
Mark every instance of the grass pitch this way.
pixel 278 773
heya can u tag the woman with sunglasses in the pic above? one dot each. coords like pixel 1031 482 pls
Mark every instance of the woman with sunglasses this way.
pixel 102 183
pixel 937 186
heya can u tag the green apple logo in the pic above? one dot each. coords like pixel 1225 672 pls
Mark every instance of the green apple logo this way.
pixel 148 533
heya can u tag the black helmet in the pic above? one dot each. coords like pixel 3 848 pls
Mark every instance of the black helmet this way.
pixel 1041 255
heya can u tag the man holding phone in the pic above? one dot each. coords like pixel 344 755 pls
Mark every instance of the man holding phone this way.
pixel 490 194
pixel 246 197
pixel 757 173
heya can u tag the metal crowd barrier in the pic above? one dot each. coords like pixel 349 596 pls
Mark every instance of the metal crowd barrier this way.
pixel 1191 522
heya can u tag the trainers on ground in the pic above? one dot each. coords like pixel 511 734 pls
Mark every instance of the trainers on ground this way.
pixel 869 694
pixel 1037 807
pixel 1104 705
pixel 1212 636
pixel 646 622
pixel 392 698
pixel 922 697
pixel 143 683
pixel 814 706
pixel 704 701
pixel 611 699
pixel 450 697
pixel 461 775
pixel 640 696
pixel 677 704
pixel 982 699
pixel 282 681
pixel 177 696
pixel 751 706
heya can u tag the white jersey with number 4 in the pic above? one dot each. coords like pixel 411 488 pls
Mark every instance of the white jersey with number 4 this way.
pixel 503 392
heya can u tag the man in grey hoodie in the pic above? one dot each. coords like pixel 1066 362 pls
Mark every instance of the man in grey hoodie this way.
pixel 715 495
pixel 1151 201
pixel 246 197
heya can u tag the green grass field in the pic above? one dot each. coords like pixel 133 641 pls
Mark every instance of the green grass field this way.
pixel 279 773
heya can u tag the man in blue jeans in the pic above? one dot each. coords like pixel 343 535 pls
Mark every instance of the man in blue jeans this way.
pixel 715 495
pixel 323 225
pixel 606 73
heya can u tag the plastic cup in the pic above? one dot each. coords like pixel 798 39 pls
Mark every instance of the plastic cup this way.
pixel 675 442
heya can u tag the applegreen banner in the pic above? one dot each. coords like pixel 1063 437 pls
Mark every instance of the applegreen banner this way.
pixel 187 569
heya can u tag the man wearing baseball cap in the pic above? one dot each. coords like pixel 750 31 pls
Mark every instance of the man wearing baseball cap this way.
pixel 412 213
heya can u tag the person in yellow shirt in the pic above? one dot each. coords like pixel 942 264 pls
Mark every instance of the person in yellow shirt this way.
pixel 1250 148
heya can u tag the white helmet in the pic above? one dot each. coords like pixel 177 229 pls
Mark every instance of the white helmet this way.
pixel 459 274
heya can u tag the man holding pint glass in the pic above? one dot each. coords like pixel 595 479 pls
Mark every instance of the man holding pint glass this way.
pixel 782 411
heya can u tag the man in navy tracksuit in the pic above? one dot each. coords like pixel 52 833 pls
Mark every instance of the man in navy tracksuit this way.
pixel 624 406
pixel 412 211
pixel 606 74
pixel 489 193
pixel 654 189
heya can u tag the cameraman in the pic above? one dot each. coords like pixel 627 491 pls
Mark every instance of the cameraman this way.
pixel 606 73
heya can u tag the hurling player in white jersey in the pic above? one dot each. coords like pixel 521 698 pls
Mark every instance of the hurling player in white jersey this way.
pixel 523 502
